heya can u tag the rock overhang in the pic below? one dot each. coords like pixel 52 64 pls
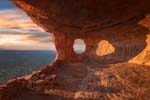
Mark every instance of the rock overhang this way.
pixel 83 16
pixel 122 24
pixel 118 31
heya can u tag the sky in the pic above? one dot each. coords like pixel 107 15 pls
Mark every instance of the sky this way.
pixel 18 32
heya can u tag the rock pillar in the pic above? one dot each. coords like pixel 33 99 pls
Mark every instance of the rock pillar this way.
pixel 64 47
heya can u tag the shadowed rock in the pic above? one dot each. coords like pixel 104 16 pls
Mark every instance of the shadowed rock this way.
pixel 116 22
pixel 113 31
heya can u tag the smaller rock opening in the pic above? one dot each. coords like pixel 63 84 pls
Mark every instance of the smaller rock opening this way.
pixel 79 46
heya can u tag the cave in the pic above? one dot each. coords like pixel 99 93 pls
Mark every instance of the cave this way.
pixel 117 50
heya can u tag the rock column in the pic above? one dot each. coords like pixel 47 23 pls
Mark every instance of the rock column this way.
pixel 64 47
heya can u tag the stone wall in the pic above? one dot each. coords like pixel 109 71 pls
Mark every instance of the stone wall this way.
pixel 112 30
pixel 110 45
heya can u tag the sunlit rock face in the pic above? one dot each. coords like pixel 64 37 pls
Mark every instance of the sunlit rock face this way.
pixel 113 31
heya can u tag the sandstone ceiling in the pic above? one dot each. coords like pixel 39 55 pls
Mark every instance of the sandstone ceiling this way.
pixel 83 16
pixel 113 31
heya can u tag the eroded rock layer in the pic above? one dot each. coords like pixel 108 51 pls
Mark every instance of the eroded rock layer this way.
pixel 114 31
pixel 69 16
pixel 82 81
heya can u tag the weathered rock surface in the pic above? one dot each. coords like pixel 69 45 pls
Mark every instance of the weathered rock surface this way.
pixel 122 24
pixel 36 83
pixel 83 16
pixel 114 31
pixel 84 81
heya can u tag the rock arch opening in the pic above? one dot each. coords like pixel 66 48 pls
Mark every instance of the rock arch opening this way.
pixel 79 46
pixel 104 48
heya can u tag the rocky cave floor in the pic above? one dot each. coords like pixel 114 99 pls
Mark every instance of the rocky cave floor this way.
pixel 81 81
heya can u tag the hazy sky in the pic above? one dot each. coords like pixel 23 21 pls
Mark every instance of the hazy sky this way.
pixel 18 32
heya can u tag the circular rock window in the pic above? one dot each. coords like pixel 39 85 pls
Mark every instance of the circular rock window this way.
pixel 79 46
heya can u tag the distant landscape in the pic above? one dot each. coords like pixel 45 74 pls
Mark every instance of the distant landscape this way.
pixel 15 63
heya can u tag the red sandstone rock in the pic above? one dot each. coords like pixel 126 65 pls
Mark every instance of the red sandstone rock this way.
pixel 119 27
pixel 83 16
pixel 114 25
pixel 52 77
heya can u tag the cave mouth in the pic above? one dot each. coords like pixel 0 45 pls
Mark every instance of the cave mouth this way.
pixel 79 46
